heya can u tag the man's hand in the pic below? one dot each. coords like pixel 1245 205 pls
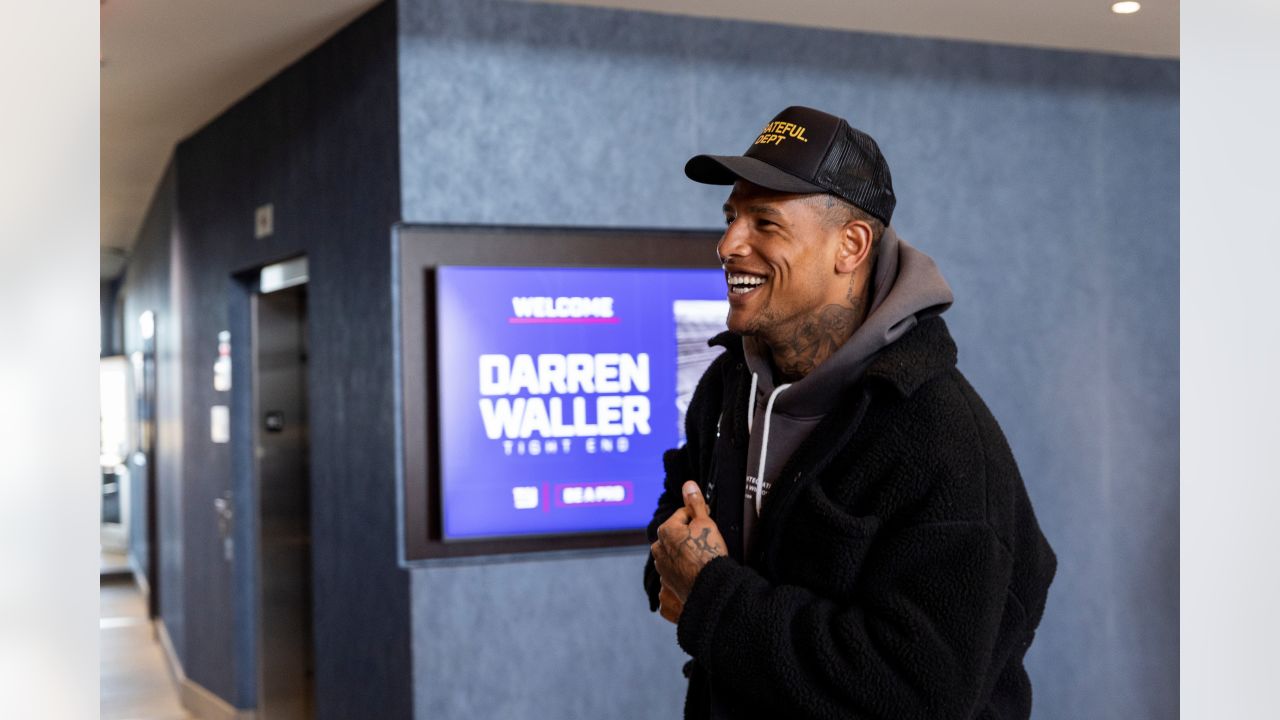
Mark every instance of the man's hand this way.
pixel 686 542
pixel 669 606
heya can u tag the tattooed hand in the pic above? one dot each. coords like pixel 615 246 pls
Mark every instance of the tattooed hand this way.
pixel 686 542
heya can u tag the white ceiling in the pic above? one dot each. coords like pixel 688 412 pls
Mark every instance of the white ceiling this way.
pixel 170 66
pixel 1062 24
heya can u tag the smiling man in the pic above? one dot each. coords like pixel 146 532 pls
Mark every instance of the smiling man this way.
pixel 846 534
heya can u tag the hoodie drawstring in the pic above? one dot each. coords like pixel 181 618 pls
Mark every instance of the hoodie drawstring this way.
pixel 751 401
pixel 764 442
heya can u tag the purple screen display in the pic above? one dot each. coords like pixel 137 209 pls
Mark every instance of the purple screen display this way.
pixel 559 390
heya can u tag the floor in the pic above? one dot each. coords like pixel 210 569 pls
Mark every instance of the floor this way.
pixel 113 562
pixel 136 684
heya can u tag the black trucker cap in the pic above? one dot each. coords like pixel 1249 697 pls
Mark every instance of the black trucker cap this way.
pixel 803 150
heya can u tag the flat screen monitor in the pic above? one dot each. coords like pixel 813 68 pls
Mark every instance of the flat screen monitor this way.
pixel 544 372
pixel 561 387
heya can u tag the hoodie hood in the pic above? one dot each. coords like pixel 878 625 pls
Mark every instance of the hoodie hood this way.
pixel 907 286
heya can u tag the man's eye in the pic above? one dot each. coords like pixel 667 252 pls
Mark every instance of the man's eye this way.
pixel 728 220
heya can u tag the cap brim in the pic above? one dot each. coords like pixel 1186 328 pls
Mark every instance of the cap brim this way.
pixel 728 169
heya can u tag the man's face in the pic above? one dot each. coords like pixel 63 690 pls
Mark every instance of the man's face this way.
pixel 779 260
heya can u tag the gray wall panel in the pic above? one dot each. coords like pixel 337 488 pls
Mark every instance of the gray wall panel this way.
pixel 568 637
pixel 1043 182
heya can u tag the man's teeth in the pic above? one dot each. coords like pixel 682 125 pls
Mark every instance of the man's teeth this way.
pixel 741 283
pixel 748 280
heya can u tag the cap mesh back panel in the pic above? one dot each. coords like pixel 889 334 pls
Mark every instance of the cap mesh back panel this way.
pixel 855 170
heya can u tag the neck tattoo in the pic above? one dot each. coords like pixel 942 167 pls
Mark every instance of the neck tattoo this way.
pixel 813 339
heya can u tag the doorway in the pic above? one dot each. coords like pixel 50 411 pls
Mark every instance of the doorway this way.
pixel 283 507
pixel 139 472
pixel 113 454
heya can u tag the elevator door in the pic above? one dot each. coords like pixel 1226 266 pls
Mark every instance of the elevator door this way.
pixel 285 667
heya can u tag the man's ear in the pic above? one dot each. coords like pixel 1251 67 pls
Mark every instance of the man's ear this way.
pixel 854 247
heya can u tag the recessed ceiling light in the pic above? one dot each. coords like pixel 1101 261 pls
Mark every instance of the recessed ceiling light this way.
pixel 1126 8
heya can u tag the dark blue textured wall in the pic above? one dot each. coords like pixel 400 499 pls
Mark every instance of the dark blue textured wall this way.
pixel 319 141
pixel 109 316
pixel 152 283
pixel 1044 183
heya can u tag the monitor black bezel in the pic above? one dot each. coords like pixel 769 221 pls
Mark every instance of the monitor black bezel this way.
pixel 416 251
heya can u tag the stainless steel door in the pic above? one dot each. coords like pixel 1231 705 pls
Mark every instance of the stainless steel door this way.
pixel 285 666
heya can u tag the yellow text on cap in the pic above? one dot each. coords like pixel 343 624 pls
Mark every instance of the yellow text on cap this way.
pixel 777 131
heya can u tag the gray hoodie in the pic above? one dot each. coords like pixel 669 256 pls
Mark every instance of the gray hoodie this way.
pixel 907 286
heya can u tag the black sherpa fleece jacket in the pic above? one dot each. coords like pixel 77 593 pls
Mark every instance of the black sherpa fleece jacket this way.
pixel 899 571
